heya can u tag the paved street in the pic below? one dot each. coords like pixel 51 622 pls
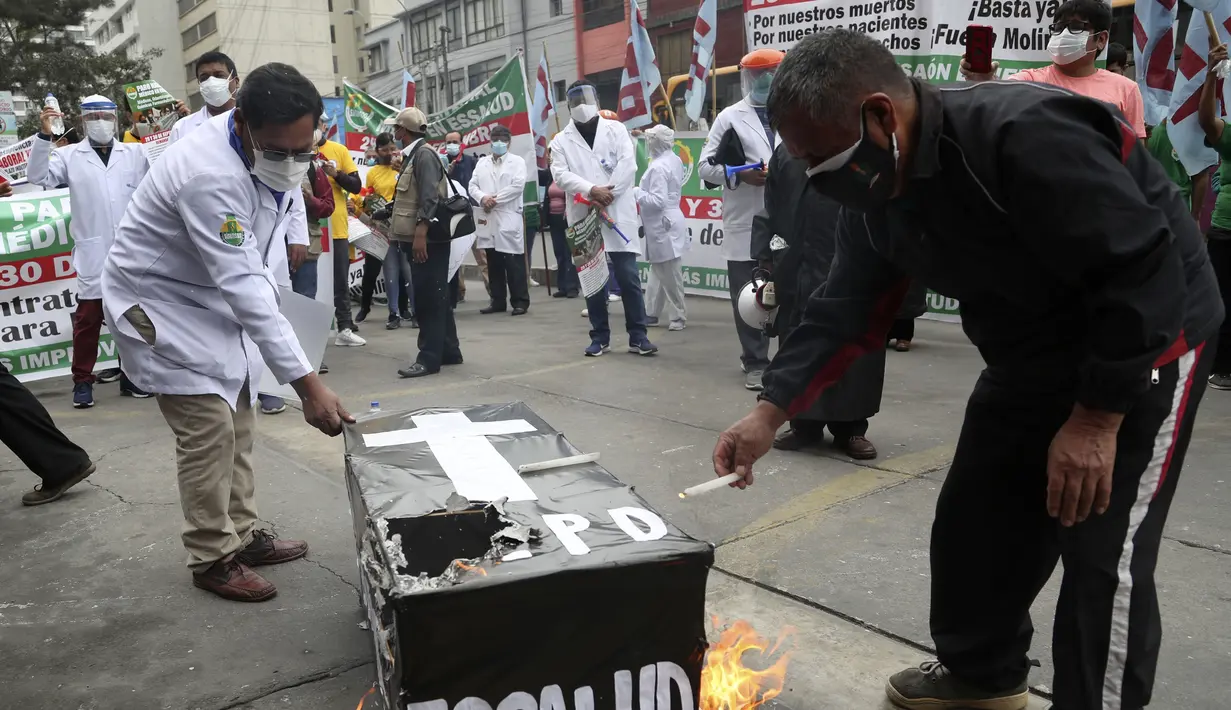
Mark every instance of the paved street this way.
pixel 97 609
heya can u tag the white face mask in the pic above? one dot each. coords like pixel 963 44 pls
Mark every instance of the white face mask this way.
pixel 216 91
pixel 1068 46
pixel 100 131
pixel 318 137
pixel 583 113
pixel 277 175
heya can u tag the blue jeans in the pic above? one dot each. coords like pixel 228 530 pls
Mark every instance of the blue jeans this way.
pixel 624 272
pixel 303 279
pixel 396 270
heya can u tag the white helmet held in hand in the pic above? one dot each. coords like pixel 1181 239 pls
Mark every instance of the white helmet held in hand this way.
pixel 758 306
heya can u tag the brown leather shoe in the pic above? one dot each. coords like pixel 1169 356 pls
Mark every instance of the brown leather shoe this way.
pixel 233 580
pixel 858 447
pixel 265 549
pixel 45 494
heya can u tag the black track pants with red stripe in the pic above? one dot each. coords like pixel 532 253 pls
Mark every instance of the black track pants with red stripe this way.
pixel 994 546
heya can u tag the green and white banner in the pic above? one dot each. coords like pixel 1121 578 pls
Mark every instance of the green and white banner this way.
pixel 38 287
pixel 501 99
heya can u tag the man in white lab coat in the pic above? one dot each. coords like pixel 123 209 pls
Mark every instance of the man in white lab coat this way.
pixel 191 296
pixel 102 174
pixel 666 234
pixel 218 80
pixel 593 158
pixel 497 186
pixel 741 134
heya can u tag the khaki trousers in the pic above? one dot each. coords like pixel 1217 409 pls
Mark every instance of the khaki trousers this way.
pixel 213 452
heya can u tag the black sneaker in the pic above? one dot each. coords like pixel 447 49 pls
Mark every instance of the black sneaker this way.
pixel 111 374
pixel 362 315
pixel 393 323
pixel 1220 382
pixel 932 687
pixel 407 315
pixel 128 389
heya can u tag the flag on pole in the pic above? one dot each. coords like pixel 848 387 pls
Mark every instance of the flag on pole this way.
pixel 641 77
pixel 408 89
pixel 1154 55
pixel 541 109
pixel 704 33
pixel 1185 132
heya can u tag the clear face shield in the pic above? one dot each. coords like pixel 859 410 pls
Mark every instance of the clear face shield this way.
pixel 99 124
pixel 756 83
pixel 583 103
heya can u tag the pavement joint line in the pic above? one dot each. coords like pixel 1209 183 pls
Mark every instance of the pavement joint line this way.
pixel 746 534
pixel 843 616
pixel 124 500
pixel 306 680
pixel 1198 545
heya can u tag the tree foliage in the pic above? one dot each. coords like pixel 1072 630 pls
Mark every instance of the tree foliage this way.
pixel 38 55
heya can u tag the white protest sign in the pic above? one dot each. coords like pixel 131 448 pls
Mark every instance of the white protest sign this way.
pixel 310 319
pixel 928 37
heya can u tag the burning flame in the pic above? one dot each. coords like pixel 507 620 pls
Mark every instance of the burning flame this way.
pixel 365 697
pixel 728 684
pixel 470 568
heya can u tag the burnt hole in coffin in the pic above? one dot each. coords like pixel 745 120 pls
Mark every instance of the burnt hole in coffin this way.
pixel 432 542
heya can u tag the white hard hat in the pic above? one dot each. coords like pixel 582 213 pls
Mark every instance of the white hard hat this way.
pixel 757 303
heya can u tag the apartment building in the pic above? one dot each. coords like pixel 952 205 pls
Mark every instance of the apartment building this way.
pixel 453 46
pixel 670 24
pixel 349 21
pixel 137 26
pixel 255 32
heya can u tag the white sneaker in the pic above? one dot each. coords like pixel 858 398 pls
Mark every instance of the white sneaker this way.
pixel 347 339
pixel 534 283
pixel 676 325
pixel 585 313
pixel 612 298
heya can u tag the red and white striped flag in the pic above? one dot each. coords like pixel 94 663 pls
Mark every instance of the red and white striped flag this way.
pixel 1185 132
pixel 1154 55
pixel 704 34
pixel 541 108
pixel 641 76
pixel 408 89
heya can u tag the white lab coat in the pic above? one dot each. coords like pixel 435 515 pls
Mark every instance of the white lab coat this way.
pixel 666 235
pixel 502 229
pixel 578 168
pixel 203 282
pixel 189 123
pixel 98 195
pixel 740 205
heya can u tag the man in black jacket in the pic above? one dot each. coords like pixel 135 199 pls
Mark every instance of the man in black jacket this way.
pixel 1086 287
pixel 805 222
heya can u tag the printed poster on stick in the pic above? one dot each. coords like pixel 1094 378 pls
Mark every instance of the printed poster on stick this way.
pixel 585 243
pixel 38 287
pixel 154 113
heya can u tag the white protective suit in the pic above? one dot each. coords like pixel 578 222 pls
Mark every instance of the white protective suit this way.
pixel 504 228
pixel 741 204
pixel 195 253
pixel 577 168
pixel 666 235
pixel 98 195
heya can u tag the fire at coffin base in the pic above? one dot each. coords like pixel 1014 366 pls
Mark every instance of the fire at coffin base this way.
pixel 728 682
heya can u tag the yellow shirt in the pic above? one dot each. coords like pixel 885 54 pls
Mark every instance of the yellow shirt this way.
pixel 130 138
pixel 346 165
pixel 383 179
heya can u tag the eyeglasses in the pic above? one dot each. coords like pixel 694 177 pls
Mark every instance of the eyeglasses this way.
pixel 279 156
pixel 1073 26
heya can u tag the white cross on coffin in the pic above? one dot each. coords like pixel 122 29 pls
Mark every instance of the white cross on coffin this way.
pixel 460 446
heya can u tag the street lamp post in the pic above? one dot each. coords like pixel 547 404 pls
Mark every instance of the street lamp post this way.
pixel 444 60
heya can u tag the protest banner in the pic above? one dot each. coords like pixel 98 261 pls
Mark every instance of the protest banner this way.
pixel 153 109
pixel 13 159
pixel 8 119
pixel 501 99
pixel 928 37
pixel 365 115
pixel 585 243
pixel 38 287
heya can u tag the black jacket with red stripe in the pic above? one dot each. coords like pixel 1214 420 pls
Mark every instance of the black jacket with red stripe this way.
pixel 1073 256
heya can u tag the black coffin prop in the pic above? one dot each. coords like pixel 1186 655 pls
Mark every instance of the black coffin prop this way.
pixel 582 599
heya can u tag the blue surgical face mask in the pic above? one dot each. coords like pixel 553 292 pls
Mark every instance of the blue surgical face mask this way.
pixel 453 149
pixel 444 159
pixel 371 162
pixel 499 147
